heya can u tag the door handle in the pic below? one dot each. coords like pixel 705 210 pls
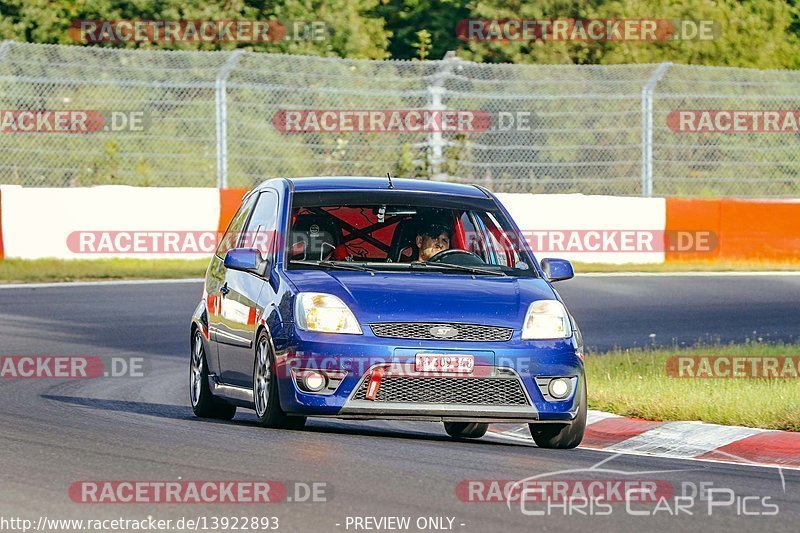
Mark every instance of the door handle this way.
pixel 224 290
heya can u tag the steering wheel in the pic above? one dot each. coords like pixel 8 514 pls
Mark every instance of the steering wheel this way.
pixel 451 252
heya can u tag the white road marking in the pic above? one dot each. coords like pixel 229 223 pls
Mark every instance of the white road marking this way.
pixel 518 439
pixel 685 438
pixel 593 416
pixel 96 283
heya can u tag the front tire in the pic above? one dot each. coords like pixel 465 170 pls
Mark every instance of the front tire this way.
pixel 466 430
pixel 204 404
pixel 265 391
pixel 560 436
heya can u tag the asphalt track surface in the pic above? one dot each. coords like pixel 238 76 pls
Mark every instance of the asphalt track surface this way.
pixel 57 432
pixel 629 311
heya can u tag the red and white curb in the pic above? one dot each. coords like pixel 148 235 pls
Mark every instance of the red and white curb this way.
pixel 684 440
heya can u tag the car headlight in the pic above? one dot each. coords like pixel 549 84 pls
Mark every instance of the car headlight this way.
pixel 546 319
pixel 324 313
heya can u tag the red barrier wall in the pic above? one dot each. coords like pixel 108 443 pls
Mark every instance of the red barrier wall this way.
pixel 751 230
pixel 229 202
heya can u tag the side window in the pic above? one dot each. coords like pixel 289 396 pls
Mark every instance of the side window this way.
pixel 260 232
pixel 472 236
pixel 500 241
pixel 499 250
pixel 234 232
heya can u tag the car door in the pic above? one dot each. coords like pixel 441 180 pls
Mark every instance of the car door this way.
pixel 215 279
pixel 240 296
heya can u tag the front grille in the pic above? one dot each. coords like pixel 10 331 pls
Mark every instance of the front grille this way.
pixel 474 391
pixel 422 331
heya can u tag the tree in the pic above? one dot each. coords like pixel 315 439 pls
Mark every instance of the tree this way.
pixel 350 30
pixel 757 33
pixel 751 33
pixel 405 18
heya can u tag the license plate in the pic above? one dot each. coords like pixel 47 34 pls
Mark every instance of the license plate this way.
pixel 445 363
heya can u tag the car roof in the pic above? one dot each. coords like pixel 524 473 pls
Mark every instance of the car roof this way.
pixel 349 183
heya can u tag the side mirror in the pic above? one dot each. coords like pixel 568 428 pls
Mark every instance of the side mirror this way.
pixel 245 259
pixel 557 269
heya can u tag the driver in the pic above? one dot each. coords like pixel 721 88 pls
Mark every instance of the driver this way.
pixel 432 239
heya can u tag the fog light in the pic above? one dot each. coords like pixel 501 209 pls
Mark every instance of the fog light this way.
pixel 559 388
pixel 314 381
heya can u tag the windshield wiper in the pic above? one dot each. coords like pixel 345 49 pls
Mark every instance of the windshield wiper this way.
pixel 335 264
pixel 460 268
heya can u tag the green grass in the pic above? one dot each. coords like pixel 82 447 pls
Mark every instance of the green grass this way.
pixel 44 270
pixel 635 383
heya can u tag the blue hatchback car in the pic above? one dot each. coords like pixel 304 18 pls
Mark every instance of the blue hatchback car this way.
pixel 368 298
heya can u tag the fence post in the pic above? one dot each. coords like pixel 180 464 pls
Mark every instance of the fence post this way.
pixel 647 127
pixel 221 97
pixel 4 46
pixel 436 91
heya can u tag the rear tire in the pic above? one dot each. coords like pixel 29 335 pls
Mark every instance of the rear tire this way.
pixel 466 430
pixel 265 390
pixel 204 404
pixel 560 436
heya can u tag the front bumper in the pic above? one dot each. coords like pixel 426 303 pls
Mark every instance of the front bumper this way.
pixel 358 355
pixel 489 392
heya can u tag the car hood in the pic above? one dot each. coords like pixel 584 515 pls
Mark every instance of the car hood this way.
pixel 427 296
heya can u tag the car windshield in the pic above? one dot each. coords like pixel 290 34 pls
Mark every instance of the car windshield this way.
pixel 403 232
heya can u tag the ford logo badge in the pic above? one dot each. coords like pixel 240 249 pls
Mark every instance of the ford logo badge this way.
pixel 443 332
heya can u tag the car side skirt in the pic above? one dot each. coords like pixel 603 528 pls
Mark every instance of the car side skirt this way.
pixel 239 396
